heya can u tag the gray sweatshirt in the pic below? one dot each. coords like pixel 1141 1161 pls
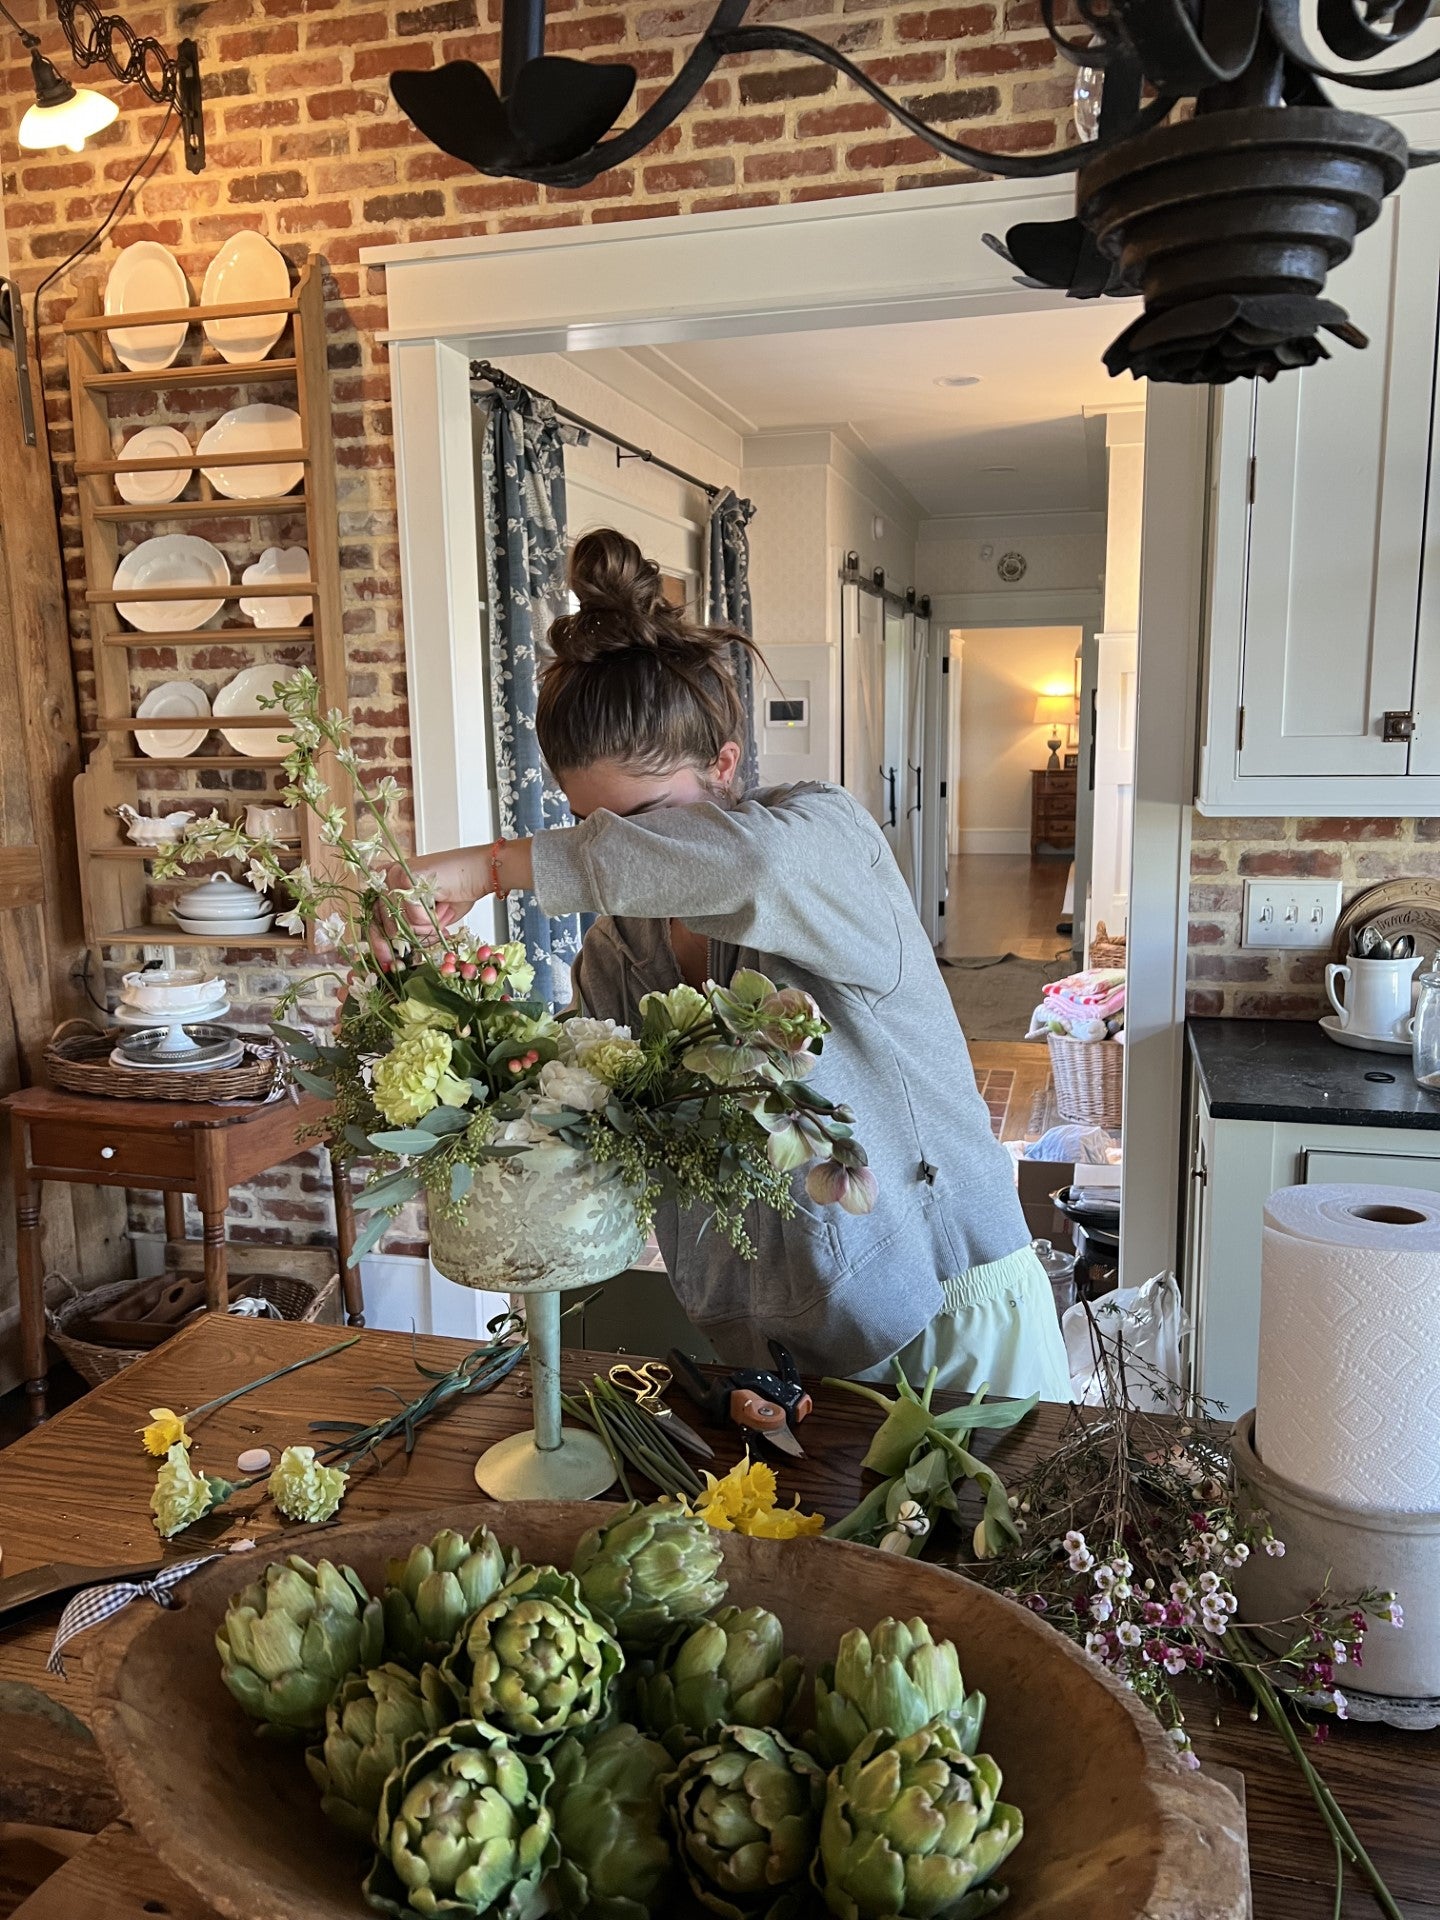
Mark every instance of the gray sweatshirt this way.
pixel 800 883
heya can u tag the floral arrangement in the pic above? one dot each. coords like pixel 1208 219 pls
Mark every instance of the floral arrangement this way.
pixel 514 1740
pixel 440 1063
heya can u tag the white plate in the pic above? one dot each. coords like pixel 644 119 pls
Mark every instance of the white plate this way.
pixel 171 560
pixel 278 563
pixel 253 429
pixel 247 268
pixel 183 1017
pixel 217 929
pixel 1362 1042
pixel 176 697
pixel 153 489
pixel 242 695
pixel 147 279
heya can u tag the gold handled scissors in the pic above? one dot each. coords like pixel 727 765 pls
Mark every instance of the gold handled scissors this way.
pixel 646 1385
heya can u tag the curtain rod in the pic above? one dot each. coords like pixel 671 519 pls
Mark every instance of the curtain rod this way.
pixel 493 376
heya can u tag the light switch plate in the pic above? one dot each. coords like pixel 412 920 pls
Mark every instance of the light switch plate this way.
pixel 1290 913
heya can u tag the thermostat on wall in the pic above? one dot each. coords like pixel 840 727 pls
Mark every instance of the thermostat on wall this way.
pixel 787 713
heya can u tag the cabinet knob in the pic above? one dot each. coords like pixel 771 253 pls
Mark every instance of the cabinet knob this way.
pixel 107 1153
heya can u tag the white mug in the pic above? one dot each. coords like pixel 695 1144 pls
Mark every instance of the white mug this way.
pixel 1377 1001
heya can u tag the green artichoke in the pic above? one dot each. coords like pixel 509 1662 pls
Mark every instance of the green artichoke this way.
pixel 366 1726
pixel 615 1858
pixel 463 1828
pixel 729 1671
pixel 650 1571
pixel 895 1677
pixel 746 1817
pixel 290 1638
pixel 534 1663
pixel 913 1827
pixel 431 1594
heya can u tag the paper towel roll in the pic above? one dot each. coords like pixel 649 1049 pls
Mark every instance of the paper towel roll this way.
pixel 1348 1403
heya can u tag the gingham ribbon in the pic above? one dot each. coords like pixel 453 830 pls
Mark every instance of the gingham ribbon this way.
pixel 88 1608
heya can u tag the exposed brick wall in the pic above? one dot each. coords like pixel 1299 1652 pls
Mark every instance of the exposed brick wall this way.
pixel 1255 983
pixel 305 145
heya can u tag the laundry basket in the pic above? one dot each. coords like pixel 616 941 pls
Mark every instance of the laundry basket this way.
pixel 1089 1077
pixel 302 1283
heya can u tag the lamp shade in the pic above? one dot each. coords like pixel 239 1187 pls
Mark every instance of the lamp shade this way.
pixel 1054 709
pixel 62 116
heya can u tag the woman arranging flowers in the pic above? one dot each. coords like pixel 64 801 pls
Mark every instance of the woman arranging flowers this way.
pixel 927 1255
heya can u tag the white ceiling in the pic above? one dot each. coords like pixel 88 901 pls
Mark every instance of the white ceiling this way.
pixel 1038 373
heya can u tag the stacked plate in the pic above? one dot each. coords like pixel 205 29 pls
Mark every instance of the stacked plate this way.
pixel 220 907
pixel 171 1012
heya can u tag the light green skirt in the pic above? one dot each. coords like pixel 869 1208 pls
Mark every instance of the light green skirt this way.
pixel 997 1329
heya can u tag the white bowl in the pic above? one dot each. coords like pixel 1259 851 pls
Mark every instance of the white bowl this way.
pixel 175 991
pixel 217 929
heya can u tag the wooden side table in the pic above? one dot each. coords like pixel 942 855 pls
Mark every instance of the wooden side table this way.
pixel 1052 808
pixel 159 1145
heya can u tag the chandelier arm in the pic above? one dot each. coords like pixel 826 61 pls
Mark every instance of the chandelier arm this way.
pixel 1033 166
pixel 1351 38
pixel 1085 55
pixel 1177 59
pixel 1283 18
pixel 696 69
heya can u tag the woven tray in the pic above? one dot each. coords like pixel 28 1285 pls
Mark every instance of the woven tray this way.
pixel 77 1060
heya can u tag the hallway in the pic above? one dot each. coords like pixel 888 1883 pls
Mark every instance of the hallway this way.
pixel 1005 903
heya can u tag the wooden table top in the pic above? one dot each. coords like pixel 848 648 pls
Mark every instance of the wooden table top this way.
pixel 78 1490
pixel 161 1116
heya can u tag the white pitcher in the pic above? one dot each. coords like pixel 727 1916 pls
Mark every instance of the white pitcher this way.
pixel 1377 999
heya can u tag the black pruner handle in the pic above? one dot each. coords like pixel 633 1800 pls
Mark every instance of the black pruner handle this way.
pixel 712 1396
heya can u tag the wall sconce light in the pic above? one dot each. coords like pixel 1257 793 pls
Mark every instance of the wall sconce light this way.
pixel 1057 712
pixel 66 116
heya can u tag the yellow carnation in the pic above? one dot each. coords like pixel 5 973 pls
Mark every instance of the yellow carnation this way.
pixel 414 1016
pixel 613 1061
pixel 181 1495
pixel 415 1076
pixel 303 1489
pixel 166 1430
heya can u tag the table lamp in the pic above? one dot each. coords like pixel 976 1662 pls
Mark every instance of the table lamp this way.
pixel 1055 711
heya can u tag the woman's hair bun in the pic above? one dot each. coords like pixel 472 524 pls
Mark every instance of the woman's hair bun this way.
pixel 622 605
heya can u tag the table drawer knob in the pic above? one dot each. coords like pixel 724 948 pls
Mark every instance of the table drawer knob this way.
pixel 107 1153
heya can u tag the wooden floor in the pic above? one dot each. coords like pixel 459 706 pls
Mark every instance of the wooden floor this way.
pixel 1014 1080
pixel 1005 903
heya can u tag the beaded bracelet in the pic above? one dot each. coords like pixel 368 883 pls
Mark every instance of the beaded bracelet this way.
pixel 495 887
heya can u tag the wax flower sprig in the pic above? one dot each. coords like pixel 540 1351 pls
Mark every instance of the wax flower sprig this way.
pixel 441 1063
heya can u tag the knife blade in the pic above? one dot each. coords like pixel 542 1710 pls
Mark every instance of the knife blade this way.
pixel 22 1594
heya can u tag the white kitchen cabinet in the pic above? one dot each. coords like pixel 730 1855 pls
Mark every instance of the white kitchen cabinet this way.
pixel 1235 1165
pixel 1323 657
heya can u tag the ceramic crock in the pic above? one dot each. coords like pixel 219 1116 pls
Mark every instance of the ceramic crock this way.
pixel 549 1219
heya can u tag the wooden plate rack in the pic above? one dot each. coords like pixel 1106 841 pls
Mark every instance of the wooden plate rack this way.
pixel 114 875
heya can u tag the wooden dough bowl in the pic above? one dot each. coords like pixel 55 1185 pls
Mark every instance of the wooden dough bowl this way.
pixel 1116 1828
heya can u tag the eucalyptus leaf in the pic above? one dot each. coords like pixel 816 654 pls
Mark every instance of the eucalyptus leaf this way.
pixel 298 1045
pixel 357 1138
pixel 443 1120
pixel 313 1083
pixel 403 1140
pixel 392 1190
pixel 462 1178
pixel 369 1236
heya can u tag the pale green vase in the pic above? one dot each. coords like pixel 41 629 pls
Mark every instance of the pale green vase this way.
pixel 541 1224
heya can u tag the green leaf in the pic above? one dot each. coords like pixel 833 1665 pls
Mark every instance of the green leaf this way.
pixel 443 1120
pixel 403 1140
pixel 998 1414
pixel 390 1191
pixel 370 1236
pixel 462 1178
pixel 313 1083
pixel 298 1045
pixel 357 1137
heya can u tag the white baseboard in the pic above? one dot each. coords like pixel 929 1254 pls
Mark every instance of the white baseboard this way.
pixel 992 840
pixel 402 1291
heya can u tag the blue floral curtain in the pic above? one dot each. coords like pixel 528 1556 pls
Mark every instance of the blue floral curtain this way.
pixel 522 477
pixel 729 593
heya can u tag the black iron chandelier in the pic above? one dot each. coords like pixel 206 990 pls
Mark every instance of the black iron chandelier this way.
pixel 1226 220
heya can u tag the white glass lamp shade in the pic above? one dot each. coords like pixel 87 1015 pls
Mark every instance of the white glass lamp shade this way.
pixel 68 124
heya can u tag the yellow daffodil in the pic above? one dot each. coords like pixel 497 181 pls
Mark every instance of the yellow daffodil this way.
pixel 303 1489
pixel 166 1430
pixel 743 1501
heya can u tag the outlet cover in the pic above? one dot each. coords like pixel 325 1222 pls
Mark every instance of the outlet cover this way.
pixel 1291 913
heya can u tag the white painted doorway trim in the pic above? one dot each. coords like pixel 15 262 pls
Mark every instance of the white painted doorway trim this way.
pixel 890 258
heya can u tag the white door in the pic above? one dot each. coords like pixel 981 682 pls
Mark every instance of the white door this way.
pixel 862 700
pixel 897 625
pixel 934 808
pixel 912 780
pixel 1115 693
pixel 1336 529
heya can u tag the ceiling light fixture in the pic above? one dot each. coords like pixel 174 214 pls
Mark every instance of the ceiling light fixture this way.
pixel 66 116
pixel 1226 222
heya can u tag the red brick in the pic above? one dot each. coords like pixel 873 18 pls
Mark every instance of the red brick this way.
pixel 946 23
pixel 596 30
pixel 258 113
pixel 44 176
pixel 309 143
pixel 447 16
pixel 378 63
pixel 791 83
pixel 255 40
pixel 737 129
pixel 684 176
pixel 728 203
pixel 1208 933
pixel 789 166
pixel 349 31
pixel 873 156
pixel 1428 829
pixel 1005 56
pixel 432 164
pixel 347 103
pixel 855 116
pixel 646 210
pixel 322 216
pixel 248 188
pixel 491 196
pixel 1012 138
pixel 1346 830
pixel 839 190
pixel 1291 863
pixel 299 76
pixel 957 103
pixel 1201 1005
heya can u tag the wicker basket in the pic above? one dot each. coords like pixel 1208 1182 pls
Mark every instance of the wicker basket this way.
pixel 308 1289
pixel 77 1060
pixel 1089 1078
pixel 1106 949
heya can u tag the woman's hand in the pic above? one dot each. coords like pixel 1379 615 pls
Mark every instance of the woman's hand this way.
pixel 458 880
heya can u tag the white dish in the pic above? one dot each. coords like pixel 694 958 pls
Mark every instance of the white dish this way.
pixel 153 489
pixel 146 278
pixel 243 695
pixel 278 563
pixel 253 429
pixel 221 898
pixel 1362 1042
pixel 153 830
pixel 247 268
pixel 218 929
pixel 280 824
pixel 177 698
pixel 171 560
pixel 173 1017
pixel 166 991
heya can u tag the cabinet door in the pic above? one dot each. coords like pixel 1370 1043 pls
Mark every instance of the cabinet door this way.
pixel 862 701
pixel 1336 527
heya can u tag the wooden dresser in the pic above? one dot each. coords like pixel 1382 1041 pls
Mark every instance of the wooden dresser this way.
pixel 1052 810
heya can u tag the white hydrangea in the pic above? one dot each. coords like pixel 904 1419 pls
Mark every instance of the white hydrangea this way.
pixel 571 1086
pixel 578 1036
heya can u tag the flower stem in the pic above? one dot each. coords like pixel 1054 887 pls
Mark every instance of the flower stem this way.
pixel 238 1393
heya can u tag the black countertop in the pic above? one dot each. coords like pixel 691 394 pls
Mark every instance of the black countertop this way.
pixel 1288 1070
